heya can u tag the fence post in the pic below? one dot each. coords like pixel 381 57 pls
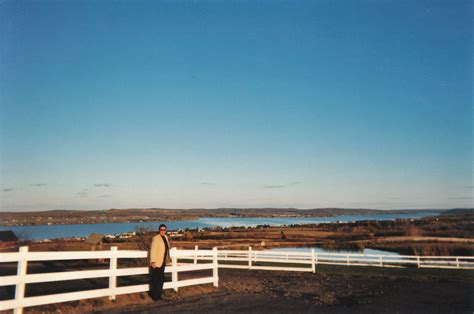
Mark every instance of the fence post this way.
pixel 21 272
pixel 215 267
pixel 381 260
pixel 457 262
pixel 418 261
pixel 347 257
pixel 313 262
pixel 174 272
pixel 195 254
pixel 250 257
pixel 113 268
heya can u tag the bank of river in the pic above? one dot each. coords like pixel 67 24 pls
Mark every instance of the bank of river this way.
pixel 82 230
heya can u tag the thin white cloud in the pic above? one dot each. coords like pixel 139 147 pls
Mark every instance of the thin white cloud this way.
pixel 82 194
pixel 281 186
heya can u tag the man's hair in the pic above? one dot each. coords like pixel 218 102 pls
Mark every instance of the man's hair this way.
pixel 162 225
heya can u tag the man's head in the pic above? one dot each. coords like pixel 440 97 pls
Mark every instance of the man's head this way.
pixel 162 229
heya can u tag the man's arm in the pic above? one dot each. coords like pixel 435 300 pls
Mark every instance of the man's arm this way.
pixel 153 252
pixel 168 257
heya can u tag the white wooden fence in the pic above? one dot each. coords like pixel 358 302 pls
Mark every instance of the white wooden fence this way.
pixel 307 261
pixel 22 278
pixel 190 260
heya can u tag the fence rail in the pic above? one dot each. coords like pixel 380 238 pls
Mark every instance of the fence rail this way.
pixel 278 260
pixel 22 278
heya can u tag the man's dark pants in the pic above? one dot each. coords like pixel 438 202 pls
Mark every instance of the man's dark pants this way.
pixel 157 278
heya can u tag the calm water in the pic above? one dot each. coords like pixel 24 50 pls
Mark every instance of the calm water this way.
pixel 82 230
pixel 322 250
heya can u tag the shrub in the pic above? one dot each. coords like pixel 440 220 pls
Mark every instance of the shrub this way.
pixel 188 236
pixel 413 231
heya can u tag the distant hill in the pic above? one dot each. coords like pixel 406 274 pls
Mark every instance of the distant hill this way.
pixel 315 212
pixel 54 217
pixel 459 211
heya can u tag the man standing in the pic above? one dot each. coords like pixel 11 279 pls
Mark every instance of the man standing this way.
pixel 159 258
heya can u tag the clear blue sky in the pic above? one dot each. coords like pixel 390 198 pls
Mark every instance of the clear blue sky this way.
pixel 180 104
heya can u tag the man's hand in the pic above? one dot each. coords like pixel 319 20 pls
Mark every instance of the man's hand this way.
pixel 153 265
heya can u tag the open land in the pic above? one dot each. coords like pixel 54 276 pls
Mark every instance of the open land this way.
pixel 332 289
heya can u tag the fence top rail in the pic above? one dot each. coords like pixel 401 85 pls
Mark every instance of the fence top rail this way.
pixel 398 256
pixel 264 252
pixel 107 254
pixel 70 255
pixel 191 253
pixel 309 253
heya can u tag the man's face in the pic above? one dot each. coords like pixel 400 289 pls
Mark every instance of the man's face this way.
pixel 162 230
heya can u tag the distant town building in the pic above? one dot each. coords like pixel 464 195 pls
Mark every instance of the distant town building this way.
pixel 127 235
pixel 95 240
pixel 8 239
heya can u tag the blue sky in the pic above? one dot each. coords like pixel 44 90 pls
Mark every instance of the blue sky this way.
pixel 187 104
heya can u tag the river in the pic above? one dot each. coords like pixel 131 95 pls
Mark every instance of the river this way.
pixel 83 230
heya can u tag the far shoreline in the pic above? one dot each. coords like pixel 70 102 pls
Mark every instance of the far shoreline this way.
pixel 77 217
pixel 41 232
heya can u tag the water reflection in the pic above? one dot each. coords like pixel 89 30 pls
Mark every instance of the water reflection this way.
pixel 341 251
